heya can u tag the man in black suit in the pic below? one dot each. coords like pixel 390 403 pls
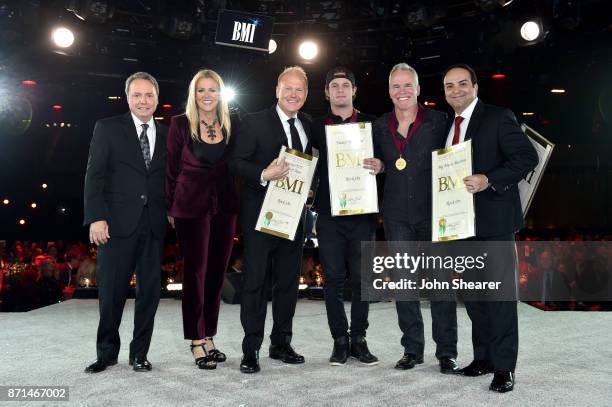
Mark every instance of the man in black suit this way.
pixel 254 160
pixel 502 156
pixel 126 214
pixel 406 136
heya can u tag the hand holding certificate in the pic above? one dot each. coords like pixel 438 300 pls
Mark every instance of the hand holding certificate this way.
pixel 352 188
pixel 285 197
pixel 453 206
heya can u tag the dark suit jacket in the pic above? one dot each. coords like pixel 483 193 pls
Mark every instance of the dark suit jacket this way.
pixel 117 182
pixel 192 187
pixel 258 142
pixel 407 195
pixel 502 152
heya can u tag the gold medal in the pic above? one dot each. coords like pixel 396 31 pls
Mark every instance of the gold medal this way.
pixel 400 163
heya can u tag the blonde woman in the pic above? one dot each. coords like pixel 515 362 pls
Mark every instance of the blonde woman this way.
pixel 202 207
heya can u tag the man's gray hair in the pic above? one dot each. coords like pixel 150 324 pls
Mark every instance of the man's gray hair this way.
pixel 402 66
pixel 140 75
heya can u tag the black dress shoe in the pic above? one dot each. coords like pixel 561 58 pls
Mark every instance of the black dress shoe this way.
pixel 408 361
pixel 340 352
pixel 476 368
pixel 503 381
pixel 286 354
pixel 99 365
pixel 360 351
pixel 250 362
pixel 141 364
pixel 448 366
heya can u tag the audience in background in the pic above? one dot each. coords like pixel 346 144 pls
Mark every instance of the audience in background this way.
pixel 37 274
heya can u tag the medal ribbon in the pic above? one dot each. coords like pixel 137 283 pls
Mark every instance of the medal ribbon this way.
pixel 401 142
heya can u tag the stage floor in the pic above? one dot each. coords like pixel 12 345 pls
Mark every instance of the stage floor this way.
pixel 565 359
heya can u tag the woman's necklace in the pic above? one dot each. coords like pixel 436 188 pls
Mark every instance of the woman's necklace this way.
pixel 210 128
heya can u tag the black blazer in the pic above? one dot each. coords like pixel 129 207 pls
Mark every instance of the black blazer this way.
pixel 117 182
pixel 258 142
pixel 407 194
pixel 502 152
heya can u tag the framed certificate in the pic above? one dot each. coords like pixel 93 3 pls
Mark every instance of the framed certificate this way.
pixel 528 185
pixel 352 189
pixel 452 205
pixel 283 204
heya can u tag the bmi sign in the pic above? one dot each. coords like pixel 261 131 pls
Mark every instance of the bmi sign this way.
pixel 244 30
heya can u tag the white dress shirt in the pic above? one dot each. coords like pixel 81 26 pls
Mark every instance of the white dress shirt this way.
pixel 298 125
pixel 286 127
pixel 467 115
pixel 150 131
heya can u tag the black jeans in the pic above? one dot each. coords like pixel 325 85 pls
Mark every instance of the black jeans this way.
pixel 340 245
pixel 443 313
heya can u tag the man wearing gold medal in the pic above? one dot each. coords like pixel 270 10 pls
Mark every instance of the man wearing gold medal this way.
pixel 406 136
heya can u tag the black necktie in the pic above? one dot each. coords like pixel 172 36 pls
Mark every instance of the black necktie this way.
pixel 144 146
pixel 295 136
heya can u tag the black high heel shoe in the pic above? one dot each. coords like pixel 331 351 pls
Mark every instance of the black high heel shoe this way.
pixel 207 361
pixel 216 353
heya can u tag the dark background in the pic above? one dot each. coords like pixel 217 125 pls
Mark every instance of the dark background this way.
pixel 367 36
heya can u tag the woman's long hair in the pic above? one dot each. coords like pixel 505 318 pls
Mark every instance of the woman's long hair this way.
pixel 191 110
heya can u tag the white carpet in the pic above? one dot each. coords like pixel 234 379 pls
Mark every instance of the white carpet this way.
pixel 565 359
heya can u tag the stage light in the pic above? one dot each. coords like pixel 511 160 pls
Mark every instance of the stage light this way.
pixel 308 50
pixel 92 11
pixel 167 106
pixel 430 104
pixel 62 37
pixel 420 15
pixel 228 93
pixel 272 46
pixel 6 201
pixel 528 114
pixel 29 82
pixel 175 287
pixel 498 76
pixel 33 205
pixel 531 30
pixel 57 107
pixel 180 26
pixel 159 118
pixel 114 97
pixel 44 186
pixel 22 221
pixel 62 124
pixel 557 90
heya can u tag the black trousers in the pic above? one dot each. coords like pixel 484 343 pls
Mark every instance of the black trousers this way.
pixel 410 320
pixel 269 258
pixel 116 262
pixel 495 323
pixel 340 246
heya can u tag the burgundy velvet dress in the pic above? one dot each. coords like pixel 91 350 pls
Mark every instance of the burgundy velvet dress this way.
pixel 202 197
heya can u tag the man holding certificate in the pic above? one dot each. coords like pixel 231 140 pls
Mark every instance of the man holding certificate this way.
pixel 502 156
pixel 254 159
pixel 406 136
pixel 340 236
